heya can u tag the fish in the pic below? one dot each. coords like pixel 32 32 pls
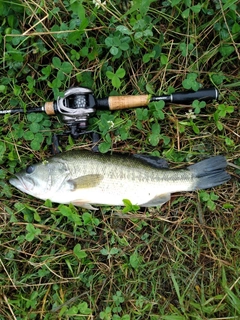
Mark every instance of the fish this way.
pixel 85 178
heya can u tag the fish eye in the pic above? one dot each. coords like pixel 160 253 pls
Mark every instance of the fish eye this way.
pixel 30 169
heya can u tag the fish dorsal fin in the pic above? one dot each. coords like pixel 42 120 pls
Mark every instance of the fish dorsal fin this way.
pixel 153 161
pixel 87 181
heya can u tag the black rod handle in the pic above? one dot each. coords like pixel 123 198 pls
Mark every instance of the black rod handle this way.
pixel 188 97
pixel 201 95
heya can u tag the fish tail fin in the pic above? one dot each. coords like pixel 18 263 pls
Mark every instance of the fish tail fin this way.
pixel 210 172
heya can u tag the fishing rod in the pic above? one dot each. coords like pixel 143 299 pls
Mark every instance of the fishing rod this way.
pixel 79 103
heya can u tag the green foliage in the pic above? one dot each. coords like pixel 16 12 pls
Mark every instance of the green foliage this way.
pixel 117 44
pixel 39 129
pixel 71 214
pixel 80 310
pixel 191 82
pixel 135 260
pixel 222 111
pixel 115 77
pixel 79 253
pixel 209 199
pixel 177 262
pixel 109 252
pixel 32 232
pixel 129 207
pixel 198 105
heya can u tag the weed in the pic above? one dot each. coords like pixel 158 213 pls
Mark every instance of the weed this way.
pixel 115 77
pixel 177 262
pixel 209 199
pixel 109 252
pixel 191 82
pixel 32 232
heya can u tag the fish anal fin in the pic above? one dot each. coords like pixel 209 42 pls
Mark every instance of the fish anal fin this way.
pixel 83 182
pixel 159 200
pixel 83 204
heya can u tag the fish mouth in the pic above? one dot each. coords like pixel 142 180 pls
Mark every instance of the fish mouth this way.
pixel 21 184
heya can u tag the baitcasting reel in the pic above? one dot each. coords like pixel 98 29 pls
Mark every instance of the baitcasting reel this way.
pixel 75 108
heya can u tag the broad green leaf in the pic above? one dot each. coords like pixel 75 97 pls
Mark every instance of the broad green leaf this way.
pixel 175 2
pixel 104 147
pixel 114 251
pixel 156 128
pixel 218 78
pixel 236 28
pixel 230 4
pixel 120 72
pixel 117 41
pixel 34 127
pixel 195 128
pixel 124 46
pixel 114 50
pixel 2 88
pixel 138 35
pixel 226 50
pixel 154 139
pixel 135 260
pixel 66 67
pixel 60 76
pixel 79 252
pixel 29 237
pixel 35 117
pixel 164 59
pixel 104 252
pixel 109 42
pixel 197 8
pixel 187 84
pixel 142 114
pixel 148 56
pixel 28 135
pixel 30 228
pixel 124 30
pixel 17 56
pixel 56 83
pixel 35 145
pixel 65 210
pixel 185 13
pixel 83 308
pixel 116 81
pixel 148 33
pixel 56 62
pixel 110 74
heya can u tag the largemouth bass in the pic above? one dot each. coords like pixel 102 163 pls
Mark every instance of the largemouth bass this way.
pixel 84 178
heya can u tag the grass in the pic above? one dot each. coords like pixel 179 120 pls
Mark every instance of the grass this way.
pixel 174 263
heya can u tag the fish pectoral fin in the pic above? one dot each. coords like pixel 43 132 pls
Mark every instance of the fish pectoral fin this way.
pixel 83 204
pixel 87 181
pixel 157 201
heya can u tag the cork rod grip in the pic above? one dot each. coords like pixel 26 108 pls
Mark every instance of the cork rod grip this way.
pixel 49 108
pixel 125 102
